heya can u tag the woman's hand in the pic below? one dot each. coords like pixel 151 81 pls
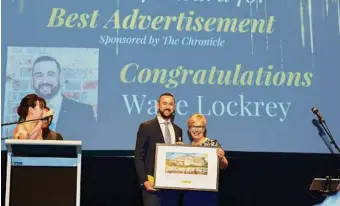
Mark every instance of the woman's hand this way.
pixel 48 113
pixel 222 158
pixel 220 153
pixel 35 132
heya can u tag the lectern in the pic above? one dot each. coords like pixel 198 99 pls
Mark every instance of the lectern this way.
pixel 43 172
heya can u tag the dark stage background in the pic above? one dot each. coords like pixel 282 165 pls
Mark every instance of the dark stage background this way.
pixel 108 178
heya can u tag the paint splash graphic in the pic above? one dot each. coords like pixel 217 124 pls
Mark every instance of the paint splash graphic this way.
pixel 306 20
pixel 117 32
pixel 20 5
pixel 251 33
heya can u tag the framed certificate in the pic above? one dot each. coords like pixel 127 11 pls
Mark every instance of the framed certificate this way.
pixel 186 167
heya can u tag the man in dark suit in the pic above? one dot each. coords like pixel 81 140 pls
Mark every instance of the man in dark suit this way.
pixel 158 130
pixel 72 119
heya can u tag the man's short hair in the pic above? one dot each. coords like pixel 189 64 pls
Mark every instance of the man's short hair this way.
pixel 46 59
pixel 166 94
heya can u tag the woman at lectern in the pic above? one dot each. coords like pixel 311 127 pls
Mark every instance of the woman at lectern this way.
pixel 30 108
pixel 197 125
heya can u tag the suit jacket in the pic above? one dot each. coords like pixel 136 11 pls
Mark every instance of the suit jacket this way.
pixel 76 120
pixel 149 133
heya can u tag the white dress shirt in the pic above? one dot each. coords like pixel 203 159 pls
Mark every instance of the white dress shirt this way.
pixel 162 123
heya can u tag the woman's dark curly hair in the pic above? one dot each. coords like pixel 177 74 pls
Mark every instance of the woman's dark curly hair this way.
pixel 28 101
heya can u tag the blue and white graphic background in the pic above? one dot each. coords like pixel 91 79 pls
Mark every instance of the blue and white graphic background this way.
pixel 304 38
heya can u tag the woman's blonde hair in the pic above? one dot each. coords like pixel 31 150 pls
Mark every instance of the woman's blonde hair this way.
pixel 197 117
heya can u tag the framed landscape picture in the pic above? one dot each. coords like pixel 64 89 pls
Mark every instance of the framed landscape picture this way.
pixel 186 167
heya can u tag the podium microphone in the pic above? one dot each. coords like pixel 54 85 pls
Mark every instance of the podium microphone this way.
pixel 317 113
pixel 46 118
pixel 51 113
pixel 325 127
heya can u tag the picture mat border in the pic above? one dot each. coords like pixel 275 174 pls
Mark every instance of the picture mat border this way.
pixel 184 188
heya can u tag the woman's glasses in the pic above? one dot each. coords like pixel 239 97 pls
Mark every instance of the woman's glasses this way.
pixel 195 127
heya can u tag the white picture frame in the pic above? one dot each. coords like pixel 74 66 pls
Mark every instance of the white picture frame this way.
pixel 186 167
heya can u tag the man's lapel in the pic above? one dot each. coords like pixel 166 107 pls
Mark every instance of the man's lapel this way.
pixel 159 132
pixel 176 134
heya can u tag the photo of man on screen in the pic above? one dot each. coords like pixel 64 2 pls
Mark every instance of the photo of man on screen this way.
pixel 46 80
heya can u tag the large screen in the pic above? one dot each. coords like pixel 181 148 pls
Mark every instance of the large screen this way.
pixel 254 68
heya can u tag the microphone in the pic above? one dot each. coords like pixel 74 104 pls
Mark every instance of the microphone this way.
pixel 317 113
pixel 47 117
pixel 325 127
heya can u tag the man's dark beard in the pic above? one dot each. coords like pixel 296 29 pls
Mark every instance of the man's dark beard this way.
pixel 163 115
pixel 54 91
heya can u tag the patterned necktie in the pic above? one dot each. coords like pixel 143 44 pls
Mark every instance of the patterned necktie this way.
pixel 167 137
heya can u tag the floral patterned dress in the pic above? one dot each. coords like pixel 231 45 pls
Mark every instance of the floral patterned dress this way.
pixel 210 142
pixel 202 198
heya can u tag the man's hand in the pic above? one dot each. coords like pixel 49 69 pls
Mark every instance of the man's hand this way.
pixel 148 186
pixel 179 143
